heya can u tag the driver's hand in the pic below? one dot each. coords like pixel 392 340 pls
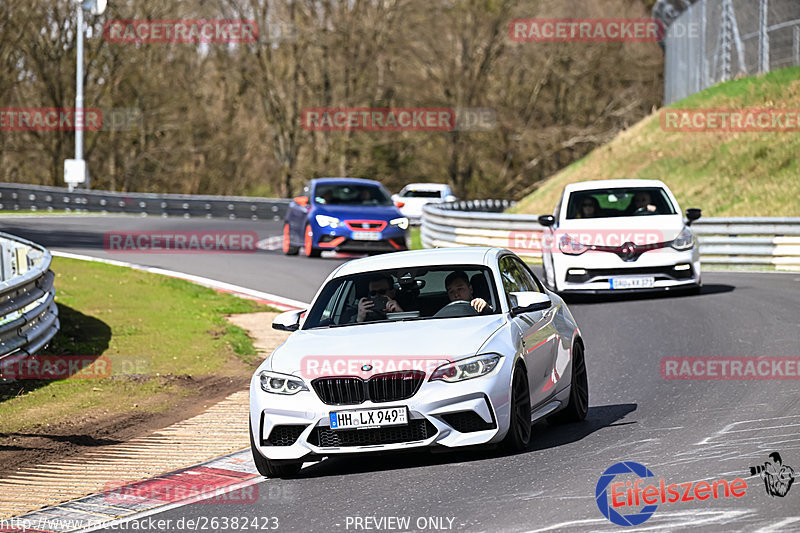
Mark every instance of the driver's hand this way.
pixel 479 304
pixel 364 305
pixel 651 208
pixel 393 307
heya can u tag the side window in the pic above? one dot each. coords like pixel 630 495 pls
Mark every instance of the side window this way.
pixel 526 278
pixel 510 276
pixel 334 310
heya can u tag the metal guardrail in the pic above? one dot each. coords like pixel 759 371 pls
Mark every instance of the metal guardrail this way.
pixel 17 196
pixel 745 242
pixel 28 312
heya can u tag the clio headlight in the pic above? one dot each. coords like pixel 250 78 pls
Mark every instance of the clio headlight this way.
pixel 571 245
pixel 281 383
pixel 684 240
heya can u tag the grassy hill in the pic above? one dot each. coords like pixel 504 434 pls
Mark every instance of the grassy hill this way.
pixel 723 173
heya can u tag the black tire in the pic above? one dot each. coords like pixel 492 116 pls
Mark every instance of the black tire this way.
pixel 268 468
pixel 519 430
pixel 288 249
pixel 578 406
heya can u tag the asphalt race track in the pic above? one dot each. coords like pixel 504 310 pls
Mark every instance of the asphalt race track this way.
pixel 682 430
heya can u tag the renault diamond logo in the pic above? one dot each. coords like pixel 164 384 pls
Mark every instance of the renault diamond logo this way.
pixel 628 252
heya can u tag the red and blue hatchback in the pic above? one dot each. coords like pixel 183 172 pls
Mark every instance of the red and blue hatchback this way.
pixel 345 215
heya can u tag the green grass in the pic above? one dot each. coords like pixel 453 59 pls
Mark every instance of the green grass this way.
pixel 159 334
pixel 416 238
pixel 724 174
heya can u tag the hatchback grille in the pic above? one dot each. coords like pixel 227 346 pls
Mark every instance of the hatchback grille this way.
pixel 416 430
pixel 380 388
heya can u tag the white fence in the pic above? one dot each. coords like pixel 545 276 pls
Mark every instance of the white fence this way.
pixel 737 242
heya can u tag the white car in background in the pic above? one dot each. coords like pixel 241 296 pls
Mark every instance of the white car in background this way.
pixel 413 196
pixel 619 236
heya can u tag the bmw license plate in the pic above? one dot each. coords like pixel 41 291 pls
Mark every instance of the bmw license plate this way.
pixel 369 418
pixel 633 282
pixel 366 235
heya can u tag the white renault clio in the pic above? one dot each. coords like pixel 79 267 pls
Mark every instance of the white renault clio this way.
pixel 619 235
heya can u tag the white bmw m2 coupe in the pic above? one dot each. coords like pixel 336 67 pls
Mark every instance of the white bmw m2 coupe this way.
pixel 446 347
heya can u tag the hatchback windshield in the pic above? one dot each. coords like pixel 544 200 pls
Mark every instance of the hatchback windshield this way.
pixel 421 193
pixel 350 194
pixel 404 294
pixel 605 203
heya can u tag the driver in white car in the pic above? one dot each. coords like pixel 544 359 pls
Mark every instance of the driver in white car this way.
pixel 459 288
pixel 642 201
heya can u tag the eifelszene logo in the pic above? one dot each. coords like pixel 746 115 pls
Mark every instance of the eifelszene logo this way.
pixel 613 499
pixel 778 477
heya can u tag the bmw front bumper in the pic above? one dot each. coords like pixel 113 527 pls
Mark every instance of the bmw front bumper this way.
pixel 293 427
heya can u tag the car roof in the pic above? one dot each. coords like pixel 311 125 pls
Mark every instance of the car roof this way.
pixel 361 181
pixel 612 184
pixel 462 255
pixel 427 186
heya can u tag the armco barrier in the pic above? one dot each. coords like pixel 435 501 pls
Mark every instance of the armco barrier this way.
pixel 738 242
pixel 17 196
pixel 28 312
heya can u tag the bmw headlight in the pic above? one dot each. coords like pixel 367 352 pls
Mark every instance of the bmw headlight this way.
pixel 401 222
pixel 281 383
pixel 684 240
pixel 570 245
pixel 472 367
pixel 324 221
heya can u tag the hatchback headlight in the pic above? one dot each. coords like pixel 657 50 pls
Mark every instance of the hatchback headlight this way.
pixel 684 240
pixel 472 367
pixel 570 245
pixel 281 383
pixel 324 221
pixel 401 222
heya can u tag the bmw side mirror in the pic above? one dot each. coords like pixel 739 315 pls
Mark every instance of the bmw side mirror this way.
pixel 288 321
pixel 529 301
pixel 547 220
pixel 693 214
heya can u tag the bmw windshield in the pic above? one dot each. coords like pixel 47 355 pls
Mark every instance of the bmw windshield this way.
pixel 404 294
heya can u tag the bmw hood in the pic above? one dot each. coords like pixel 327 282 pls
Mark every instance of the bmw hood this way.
pixel 643 229
pixel 386 346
